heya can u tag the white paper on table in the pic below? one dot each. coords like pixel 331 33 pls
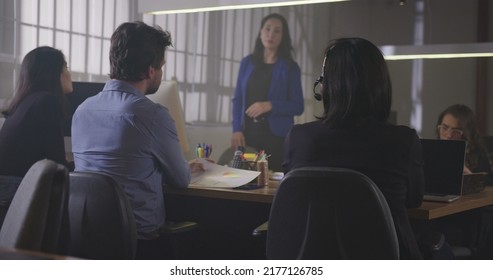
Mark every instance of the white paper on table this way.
pixel 218 176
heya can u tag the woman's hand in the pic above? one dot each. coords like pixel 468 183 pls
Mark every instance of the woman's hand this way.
pixel 237 139
pixel 258 108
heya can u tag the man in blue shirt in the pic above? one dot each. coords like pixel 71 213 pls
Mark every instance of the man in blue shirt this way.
pixel 122 133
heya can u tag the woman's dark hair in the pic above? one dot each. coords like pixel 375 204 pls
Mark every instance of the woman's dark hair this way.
pixel 41 69
pixel 467 123
pixel 356 83
pixel 285 48
pixel 134 47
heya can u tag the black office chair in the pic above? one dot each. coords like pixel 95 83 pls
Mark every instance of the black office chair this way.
pixel 8 186
pixel 330 213
pixel 101 220
pixel 35 216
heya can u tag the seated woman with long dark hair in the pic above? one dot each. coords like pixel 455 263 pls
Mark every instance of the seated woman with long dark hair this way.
pixel 458 122
pixel 33 127
pixel 354 133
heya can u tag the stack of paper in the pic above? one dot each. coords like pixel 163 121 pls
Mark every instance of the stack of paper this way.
pixel 218 176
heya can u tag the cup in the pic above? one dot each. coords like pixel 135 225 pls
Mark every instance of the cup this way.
pixel 263 177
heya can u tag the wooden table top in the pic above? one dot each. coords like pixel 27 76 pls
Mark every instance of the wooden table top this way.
pixel 427 211
pixel 21 254
pixel 432 210
pixel 262 195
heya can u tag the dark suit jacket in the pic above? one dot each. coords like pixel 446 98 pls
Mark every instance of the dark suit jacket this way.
pixel 389 155
pixel 31 133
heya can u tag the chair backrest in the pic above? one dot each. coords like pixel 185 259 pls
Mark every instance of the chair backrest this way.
pixel 35 216
pixel 101 221
pixel 330 213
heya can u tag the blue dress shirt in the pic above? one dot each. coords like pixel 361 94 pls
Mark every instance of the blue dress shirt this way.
pixel 124 134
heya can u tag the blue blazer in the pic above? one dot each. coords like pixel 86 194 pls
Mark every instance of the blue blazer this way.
pixel 285 94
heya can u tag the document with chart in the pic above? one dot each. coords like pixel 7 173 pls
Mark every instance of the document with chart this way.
pixel 218 176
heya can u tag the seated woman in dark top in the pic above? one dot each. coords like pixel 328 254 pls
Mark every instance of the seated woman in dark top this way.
pixel 353 132
pixel 458 122
pixel 34 120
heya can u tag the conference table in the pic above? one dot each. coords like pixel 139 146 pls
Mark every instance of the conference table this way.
pixel 260 195
pixel 228 216
pixel 427 211
pixel 22 254
pixel 432 210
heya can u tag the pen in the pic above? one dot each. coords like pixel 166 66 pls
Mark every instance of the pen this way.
pixel 203 150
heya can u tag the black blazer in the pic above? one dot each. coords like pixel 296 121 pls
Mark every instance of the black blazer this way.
pixel 31 133
pixel 389 155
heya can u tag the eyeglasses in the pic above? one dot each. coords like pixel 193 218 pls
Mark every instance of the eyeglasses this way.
pixel 454 132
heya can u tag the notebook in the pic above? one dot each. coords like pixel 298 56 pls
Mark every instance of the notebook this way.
pixel 443 169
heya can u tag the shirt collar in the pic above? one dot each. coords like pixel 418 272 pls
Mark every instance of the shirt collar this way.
pixel 119 85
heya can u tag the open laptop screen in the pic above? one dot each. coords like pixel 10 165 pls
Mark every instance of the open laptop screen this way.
pixel 443 166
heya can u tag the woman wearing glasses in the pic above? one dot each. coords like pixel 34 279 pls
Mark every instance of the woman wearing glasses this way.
pixel 458 122
pixel 268 92
pixel 353 132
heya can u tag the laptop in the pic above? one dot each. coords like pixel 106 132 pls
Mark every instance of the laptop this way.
pixel 443 169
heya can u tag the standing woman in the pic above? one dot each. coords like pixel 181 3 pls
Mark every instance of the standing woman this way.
pixel 268 92
pixel 33 128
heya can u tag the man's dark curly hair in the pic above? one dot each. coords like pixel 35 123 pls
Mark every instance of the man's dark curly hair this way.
pixel 134 47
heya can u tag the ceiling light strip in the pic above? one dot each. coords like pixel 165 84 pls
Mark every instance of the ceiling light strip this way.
pixel 250 5
pixel 438 51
